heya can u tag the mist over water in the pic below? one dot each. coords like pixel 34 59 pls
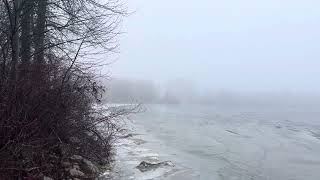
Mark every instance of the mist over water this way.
pixel 269 46
pixel 223 135
pixel 227 142
pixel 239 142
pixel 185 92
pixel 231 88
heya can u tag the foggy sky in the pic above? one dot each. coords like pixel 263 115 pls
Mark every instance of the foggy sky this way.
pixel 245 45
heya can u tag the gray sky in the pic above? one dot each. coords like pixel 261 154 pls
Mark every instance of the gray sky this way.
pixel 250 45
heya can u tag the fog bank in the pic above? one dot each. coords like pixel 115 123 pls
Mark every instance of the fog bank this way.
pixel 186 92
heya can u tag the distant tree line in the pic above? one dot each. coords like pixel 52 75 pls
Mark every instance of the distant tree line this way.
pixel 131 91
pixel 144 91
pixel 185 92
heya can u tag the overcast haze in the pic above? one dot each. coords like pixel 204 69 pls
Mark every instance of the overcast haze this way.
pixel 247 45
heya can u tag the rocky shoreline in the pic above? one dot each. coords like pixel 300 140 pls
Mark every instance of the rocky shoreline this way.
pixel 78 167
pixel 134 160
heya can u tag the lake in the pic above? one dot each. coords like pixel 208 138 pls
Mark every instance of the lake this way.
pixel 247 142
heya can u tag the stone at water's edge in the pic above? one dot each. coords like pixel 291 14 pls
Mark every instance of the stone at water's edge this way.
pixel 89 167
pixel 47 178
pixel 147 166
pixel 81 167
pixel 74 172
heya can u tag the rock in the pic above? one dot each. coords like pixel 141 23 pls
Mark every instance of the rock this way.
pixel 76 173
pixel 127 136
pixel 84 165
pixel 47 178
pixel 147 166
pixel 76 166
pixel 66 164
pixel 76 158
pixel 89 167
pixel 106 175
pixel 139 141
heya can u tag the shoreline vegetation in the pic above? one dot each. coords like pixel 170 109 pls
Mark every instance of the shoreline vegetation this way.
pixel 50 125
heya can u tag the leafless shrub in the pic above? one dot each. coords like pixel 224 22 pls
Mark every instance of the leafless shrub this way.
pixel 47 91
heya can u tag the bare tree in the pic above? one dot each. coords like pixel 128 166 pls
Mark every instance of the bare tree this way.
pixel 47 89
pixel 26 29
pixel 39 34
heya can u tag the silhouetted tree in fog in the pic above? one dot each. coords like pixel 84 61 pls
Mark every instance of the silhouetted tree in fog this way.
pixel 47 88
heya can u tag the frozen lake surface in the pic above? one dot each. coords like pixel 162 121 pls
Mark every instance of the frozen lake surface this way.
pixel 222 143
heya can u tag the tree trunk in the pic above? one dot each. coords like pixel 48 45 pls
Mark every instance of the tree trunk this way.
pixel 15 19
pixel 40 31
pixel 27 13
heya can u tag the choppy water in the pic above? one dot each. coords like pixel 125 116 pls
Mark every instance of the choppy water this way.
pixel 224 143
